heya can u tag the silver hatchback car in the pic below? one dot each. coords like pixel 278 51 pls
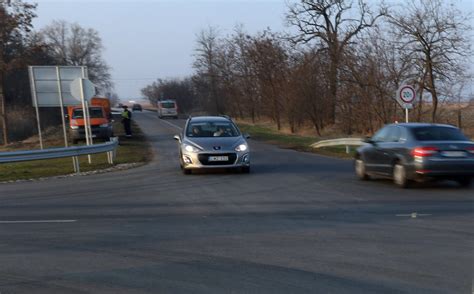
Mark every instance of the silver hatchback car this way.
pixel 212 142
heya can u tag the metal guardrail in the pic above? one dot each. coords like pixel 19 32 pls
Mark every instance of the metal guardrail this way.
pixel 51 153
pixel 338 142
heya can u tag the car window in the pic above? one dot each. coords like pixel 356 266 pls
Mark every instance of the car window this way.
pixel 381 135
pixel 437 133
pixel 93 112
pixel 212 129
pixel 167 104
pixel 394 134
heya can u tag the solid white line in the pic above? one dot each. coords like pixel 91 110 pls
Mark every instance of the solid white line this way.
pixel 39 221
pixel 173 125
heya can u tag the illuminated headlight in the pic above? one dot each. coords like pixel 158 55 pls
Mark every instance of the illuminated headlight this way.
pixel 104 125
pixel 241 147
pixel 190 148
pixel 74 127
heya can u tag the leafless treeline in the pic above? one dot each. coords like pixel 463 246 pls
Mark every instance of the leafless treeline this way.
pixel 60 43
pixel 340 66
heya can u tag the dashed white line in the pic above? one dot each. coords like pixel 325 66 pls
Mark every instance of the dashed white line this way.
pixel 39 221
pixel 414 214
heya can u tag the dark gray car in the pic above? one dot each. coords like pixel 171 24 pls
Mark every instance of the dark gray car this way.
pixel 212 142
pixel 417 152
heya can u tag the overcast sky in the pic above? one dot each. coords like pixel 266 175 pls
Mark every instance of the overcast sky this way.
pixel 150 39
pixel 146 40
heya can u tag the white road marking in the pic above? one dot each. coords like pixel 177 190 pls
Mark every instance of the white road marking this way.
pixel 39 221
pixel 414 214
pixel 173 125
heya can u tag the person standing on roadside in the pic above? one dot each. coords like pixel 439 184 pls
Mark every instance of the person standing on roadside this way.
pixel 127 121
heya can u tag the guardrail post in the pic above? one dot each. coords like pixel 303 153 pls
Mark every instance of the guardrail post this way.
pixel 66 152
pixel 77 167
pixel 348 149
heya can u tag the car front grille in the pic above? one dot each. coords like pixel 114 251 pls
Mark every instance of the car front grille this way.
pixel 95 130
pixel 204 159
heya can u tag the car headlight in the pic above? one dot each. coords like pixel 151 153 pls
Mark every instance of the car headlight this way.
pixel 241 147
pixel 104 125
pixel 74 127
pixel 190 148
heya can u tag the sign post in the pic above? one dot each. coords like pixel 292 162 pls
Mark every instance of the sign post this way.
pixel 50 88
pixel 84 90
pixel 405 96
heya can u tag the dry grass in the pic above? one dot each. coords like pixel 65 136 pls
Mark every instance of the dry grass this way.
pixel 130 150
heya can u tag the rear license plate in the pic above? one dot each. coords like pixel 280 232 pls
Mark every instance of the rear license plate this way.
pixel 454 154
pixel 218 158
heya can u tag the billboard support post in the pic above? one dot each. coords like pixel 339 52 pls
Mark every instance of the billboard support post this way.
pixel 85 112
pixel 48 90
pixel 35 101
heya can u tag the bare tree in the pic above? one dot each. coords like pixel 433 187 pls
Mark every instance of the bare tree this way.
pixel 334 24
pixel 180 90
pixel 270 63
pixel 436 36
pixel 207 67
pixel 72 44
pixel 15 22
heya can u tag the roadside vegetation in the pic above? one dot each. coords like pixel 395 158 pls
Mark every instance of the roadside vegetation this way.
pixel 338 69
pixel 269 134
pixel 131 150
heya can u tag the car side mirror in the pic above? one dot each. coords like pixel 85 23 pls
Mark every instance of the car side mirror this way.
pixel 177 138
pixel 246 136
pixel 369 140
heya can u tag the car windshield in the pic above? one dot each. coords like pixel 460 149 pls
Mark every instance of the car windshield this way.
pixel 167 104
pixel 212 129
pixel 438 134
pixel 93 112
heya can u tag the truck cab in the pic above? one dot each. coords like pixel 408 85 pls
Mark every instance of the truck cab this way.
pixel 100 119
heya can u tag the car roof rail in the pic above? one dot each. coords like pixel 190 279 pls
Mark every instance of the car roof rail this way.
pixel 226 116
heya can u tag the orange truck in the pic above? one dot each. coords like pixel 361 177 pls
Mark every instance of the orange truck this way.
pixel 100 117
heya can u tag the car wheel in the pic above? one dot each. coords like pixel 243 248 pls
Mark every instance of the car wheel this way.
pixel 245 169
pixel 360 170
pixel 400 176
pixel 186 171
pixel 464 182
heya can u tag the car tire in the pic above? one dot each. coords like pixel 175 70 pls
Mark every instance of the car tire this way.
pixel 400 176
pixel 186 171
pixel 245 169
pixel 464 182
pixel 360 170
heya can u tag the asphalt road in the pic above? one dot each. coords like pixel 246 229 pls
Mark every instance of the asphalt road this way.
pixel 299 223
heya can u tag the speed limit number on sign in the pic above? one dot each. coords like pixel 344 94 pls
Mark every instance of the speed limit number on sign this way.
pixel 406 95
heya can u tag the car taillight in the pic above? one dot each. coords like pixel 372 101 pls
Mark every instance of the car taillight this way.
pixel 424 151
pixel 470 150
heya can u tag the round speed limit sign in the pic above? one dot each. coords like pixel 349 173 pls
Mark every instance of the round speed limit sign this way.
pixel 407 94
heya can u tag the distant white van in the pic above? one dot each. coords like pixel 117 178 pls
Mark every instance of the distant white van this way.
pixel 167 108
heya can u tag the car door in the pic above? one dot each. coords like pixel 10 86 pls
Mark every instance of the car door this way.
pixel 388 150
pixel 372 154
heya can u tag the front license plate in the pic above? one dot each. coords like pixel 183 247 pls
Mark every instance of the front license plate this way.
pixel 454 153
pixel 218 158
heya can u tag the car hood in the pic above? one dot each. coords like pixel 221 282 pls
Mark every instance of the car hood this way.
pixel 209 143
